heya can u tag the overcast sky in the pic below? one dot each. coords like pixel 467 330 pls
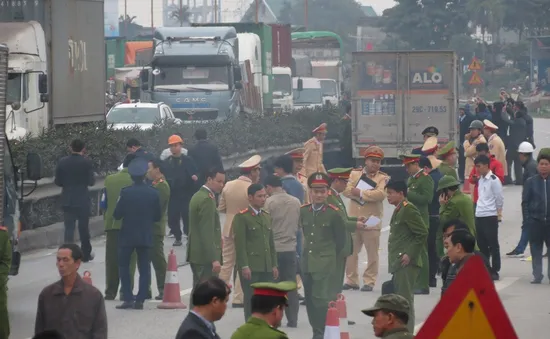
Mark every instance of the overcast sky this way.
pixel 378 5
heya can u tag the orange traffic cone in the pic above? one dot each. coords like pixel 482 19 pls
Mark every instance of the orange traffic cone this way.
pixel 343 315
pixel 87 277
pixel 172 297
pixel 332 326
pixel 466 187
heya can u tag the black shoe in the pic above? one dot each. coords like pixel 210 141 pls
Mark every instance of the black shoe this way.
pixel 292 325
pixel 515 254
pixel 351 322
pixel 89 257
pixel 301 297
pixel 545 255
pixel 422 291
pixel 234 305
pixel 177 243
pixel 348 287
pixel 138 305
pixel 366 288
pixel 433 283
pixel 536 281
pixel 160 296
pixel 495 276
pixel 110 297
pixel 303 302
pixel 125 305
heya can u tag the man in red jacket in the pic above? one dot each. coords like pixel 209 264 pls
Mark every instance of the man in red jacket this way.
pixel 495 166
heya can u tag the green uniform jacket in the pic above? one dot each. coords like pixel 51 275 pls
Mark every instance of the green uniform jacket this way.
pixel 256 328
pixel 114 183
pixel 254 241
pixel 324 237
pixel 335 199
pixel 445 169
pixel 398 333
pixel 460 206
pixel 408 235
pixel 205 232
pixel 164 193
pixel 421 192
pixel 5 256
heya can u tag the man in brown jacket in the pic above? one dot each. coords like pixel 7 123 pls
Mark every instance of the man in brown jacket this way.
pixel 496 145
pixel 233 199
pixel 313 154
pixel 71 306
pixel 471 140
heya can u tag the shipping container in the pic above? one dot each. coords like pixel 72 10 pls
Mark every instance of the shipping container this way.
pixel 395 95
pixel 135 50
pixel 114 55
pixel 76 80
pixel 282 45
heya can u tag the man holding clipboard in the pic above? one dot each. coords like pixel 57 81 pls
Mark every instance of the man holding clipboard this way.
pixel 366 191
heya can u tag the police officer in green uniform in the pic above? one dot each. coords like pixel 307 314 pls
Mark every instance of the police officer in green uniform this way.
pixel 204 249
pixel 325 237
pixel 391 316
pixel 420 192
pixel 5 264
pixel 448 154
pixel 157 256
pixel 406 242
pixel 254 244
pixel 114 183
pixel 268 305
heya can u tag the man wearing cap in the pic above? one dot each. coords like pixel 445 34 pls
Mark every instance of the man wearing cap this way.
pixel 496 145
pixel 391 316
pixel 495 166
pixel 313 154
pixel 139 208
pixel 233 199
pixel 298 170
pixel 324 231
pixel 366 203
pixel 465 118
pixel 204 251
pixel 472 139
pixel 269 302
pixel 254 244
pixel 406 242
pixel 454 204
pixel 428 132
pixel 448 156
pixel 181 174
pixel 429 150
pixel 420 192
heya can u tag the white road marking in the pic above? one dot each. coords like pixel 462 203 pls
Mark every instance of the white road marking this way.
pixel 499 285
pixel 182 294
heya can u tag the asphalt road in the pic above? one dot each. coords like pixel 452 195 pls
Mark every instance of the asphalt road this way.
pixel 527 305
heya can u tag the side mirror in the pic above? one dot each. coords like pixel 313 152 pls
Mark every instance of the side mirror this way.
pixel 34 166
pixel 238 85
pixel 237 74
pixel 15 105
pixel 144 75
pixel 300 85
pixel 43 83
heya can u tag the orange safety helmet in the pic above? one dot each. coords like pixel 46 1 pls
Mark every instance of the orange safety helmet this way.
pixel 175 139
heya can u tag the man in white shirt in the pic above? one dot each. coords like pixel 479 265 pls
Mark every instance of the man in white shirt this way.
pixel 488 208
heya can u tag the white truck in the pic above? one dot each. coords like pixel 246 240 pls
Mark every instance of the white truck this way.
pixel 307 93
pixel 395 95
pixel 282 89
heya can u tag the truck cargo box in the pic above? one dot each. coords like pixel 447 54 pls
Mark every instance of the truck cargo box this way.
pixel 282 45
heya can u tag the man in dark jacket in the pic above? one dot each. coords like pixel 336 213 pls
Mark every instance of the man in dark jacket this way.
pixel 482 112
pixel 517 135
pixel 134 146
pixel 530 132
pixel 74 174
pixel 465 118
pixel 525 151
pixel 536 214
pixel 181 174
pixel 205 155
pixel 209 299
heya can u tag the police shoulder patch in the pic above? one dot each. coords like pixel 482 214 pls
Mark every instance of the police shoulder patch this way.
pixel 405 203
pixel 243 211
pixel 333 207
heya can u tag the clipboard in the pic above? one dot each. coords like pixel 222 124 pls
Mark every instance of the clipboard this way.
pixel 364 183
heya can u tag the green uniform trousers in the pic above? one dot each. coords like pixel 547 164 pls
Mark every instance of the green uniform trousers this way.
pixel 159 261
pixel 318 292
pixel 4 318
pixel 403 283
pixel 248 290
pixel 423 278
pixel 111 265
pixel 200 274
pixel 340 273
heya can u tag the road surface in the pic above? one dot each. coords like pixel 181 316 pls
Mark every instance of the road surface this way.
pixel 528 313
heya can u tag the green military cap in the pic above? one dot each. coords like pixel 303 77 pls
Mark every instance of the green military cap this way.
pixel 447 181
pixel 446 150
pixel 544 151
pixel 318 179
pixel 340 173
pixel 409 158
pixel 279 289
pixel 389 302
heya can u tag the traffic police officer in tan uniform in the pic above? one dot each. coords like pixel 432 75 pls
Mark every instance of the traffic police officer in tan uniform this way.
pixel 429 149
pixel 366 203
pixel 313 154
pixel 496 145
pixel 234 198
pixel 470 142
pixel 428 132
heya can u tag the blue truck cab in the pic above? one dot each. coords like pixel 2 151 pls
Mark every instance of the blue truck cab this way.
pixel 195 70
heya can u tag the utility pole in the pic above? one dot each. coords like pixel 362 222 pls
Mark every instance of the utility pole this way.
pixel 305 14
pixel 257 10
pixel 180 16
pixel 126 18
pixel 152 21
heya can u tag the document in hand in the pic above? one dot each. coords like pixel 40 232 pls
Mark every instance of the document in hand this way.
pixel 372 221
pixel 364 184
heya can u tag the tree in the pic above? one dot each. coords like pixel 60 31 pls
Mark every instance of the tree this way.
pixel 426 24
pixel 181 15
pixel 127 26
pixel 531 17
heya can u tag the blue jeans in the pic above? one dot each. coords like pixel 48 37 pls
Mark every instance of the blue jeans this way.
pixel 524 239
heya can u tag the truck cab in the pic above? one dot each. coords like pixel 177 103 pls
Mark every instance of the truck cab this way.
pixel 331 92
pixel 282 90
pixel 307 93
pixel 194 70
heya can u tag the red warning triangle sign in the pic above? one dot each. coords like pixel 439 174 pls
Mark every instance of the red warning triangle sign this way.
pixel 475 65
pixel 470 308
pixel 475 79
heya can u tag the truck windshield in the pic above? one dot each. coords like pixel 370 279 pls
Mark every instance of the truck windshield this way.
pixel 282 83
pixel 308 96
pixel 211 77
pixel 133 115
pixel 14 87
pixel 329 88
